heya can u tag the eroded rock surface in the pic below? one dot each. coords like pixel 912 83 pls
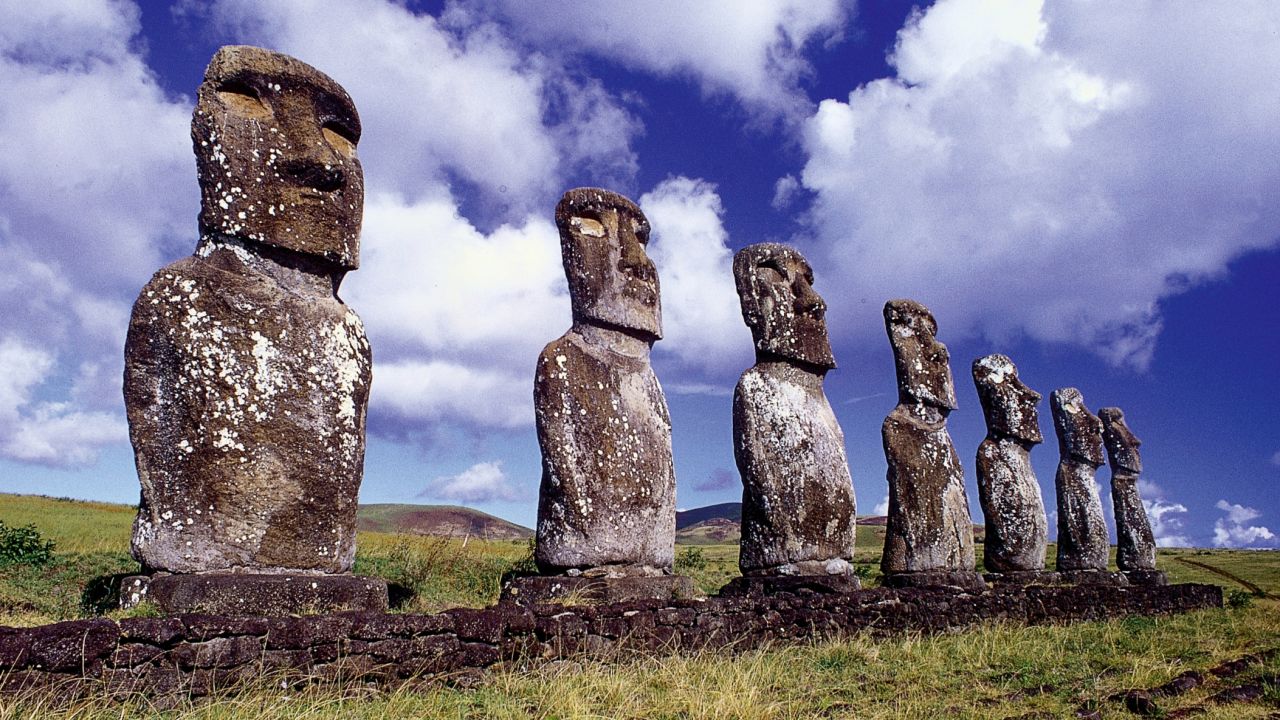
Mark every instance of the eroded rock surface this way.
pixel 928 529
pixel 607 501
pixel 1017 532
pixel 246 377
pixel 1082 531
pixel 1135 543
pixel 797 497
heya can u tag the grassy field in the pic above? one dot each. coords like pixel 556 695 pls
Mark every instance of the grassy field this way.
pixel 990 672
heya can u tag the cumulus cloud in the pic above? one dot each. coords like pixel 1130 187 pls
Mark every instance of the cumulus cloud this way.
pixel 1036 149
pixel 1233 530
pixel 882 507
pixel 86 140
pixel 49 433
pixel 784 192
pixel 702 322
pixel 442 101
pixel 482 482
pixel 750 51
pixel 719 479
pixel 1164 515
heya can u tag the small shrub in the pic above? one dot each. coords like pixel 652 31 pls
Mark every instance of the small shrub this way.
pixel 24 546
pixel 1238 599
pixel 526 565
pixel 690 560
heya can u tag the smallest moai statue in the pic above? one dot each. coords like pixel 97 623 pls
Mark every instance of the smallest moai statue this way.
pixel 1082 531
pixel 929 533
pixel 1135 543
pixel 797 497
pixel 1017 532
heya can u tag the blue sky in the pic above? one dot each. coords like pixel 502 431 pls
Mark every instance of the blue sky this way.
pixel 1089 188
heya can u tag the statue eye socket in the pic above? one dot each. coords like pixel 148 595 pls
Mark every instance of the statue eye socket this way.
pixel 771 272
pixel 243 100
pixel 340 137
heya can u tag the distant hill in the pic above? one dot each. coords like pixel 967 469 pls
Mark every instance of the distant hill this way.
pixel 723 511
pixel 440 520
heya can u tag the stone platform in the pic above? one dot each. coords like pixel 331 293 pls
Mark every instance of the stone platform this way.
pixel 194 655
pixel 968 581
pixel 771 584
pixel 254 594
pixel 534 589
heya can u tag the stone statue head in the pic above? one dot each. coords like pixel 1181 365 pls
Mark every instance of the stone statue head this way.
pixel 1008 405
pixel 612 281
pixel 1122 444
pixel 1079 431
pixel 275 142
pixel 923 363
pixel 787 318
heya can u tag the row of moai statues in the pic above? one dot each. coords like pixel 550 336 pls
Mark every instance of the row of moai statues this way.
pixel 247 383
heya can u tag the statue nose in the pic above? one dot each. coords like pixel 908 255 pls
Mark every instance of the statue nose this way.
pixel 633 259
pixel 316 166
pixel 810 301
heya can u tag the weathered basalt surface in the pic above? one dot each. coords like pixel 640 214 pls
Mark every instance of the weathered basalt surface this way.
pixel 1135 542
pixel 253 594
pixel 928 528
pixel 1082 531
pixel 1017 531
pixel 606 506
pixel 196 655
pixel 246 377
pixel 798 507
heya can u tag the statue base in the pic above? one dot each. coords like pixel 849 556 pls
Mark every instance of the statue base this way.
pixel 1092 577
pixel 1023 578
pixel 1146 577
pixel 254 593
pixel 762 585
pixel 580 590
pixel 966 580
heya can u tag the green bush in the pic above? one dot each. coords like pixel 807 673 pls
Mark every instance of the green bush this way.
pixel 23 546
pixel 690 559
pixel 1239 599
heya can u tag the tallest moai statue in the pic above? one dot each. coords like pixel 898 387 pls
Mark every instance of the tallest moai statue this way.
pixel 246 377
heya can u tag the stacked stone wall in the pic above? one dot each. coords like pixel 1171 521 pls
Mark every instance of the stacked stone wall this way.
pixel 200 654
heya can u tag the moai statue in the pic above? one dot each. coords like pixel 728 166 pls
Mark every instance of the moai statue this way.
pixel 797 497
pixel 929 535
pixel 246 377
pixel 1135 543
pixel 606 507
pixel 1082 531
pixel 1017 532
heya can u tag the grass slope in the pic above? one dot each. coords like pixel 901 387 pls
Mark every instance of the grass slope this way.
pixel 443 520
pixel 995 671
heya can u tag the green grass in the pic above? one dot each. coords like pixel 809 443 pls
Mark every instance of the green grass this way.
pixel 994 671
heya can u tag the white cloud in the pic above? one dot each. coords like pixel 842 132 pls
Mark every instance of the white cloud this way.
pixel 752 51
pixel 424 393
pixel 1232 531
pixel 882 507
pixel 784 192
pixel 1082 161
pixel 482 482
pixel 96 182
pixel 49 433
pixel 702 322
pixel 442 101
pixel 1164 525
pixel 1275 459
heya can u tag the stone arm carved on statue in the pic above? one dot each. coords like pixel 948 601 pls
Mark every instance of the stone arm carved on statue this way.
pixel 148 387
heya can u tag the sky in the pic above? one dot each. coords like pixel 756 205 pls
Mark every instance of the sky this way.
pixel 1090 188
